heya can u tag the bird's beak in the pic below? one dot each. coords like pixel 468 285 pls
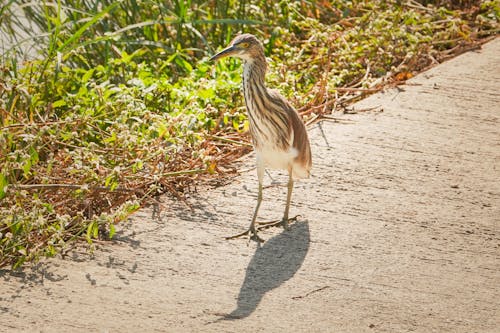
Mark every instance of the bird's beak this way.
pixel 224 53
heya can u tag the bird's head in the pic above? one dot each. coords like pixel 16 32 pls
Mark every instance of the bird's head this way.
pixel 245 47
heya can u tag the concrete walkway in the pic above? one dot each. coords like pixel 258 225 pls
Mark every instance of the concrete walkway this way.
pixel 400 232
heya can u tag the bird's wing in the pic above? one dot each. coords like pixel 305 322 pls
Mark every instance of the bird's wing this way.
pixel 298 132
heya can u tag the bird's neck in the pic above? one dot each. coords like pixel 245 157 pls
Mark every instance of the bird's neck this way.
pixel 254 72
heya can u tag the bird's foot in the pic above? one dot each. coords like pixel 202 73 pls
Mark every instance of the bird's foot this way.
pixel 251 233
pixel 284 222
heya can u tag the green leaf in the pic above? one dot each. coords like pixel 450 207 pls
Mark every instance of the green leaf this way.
pixel 112 230
pixel 206 93
pixel 113 186
pixel 92 231
pixel 86 77
pixel 89 231
pixel 59 103
pixel 3 186
pixel 109 179
pixel 34 155
pixel 183 63
pixel 22 250
pixel 111 139
pixel 26 168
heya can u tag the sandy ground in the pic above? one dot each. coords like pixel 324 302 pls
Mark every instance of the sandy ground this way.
pixel 399 232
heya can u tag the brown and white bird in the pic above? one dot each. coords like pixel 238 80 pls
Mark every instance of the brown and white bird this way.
pixel 278 133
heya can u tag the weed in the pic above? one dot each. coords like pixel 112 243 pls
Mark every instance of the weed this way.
pixel 121 105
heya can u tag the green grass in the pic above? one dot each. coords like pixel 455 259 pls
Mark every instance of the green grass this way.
pixel 122 104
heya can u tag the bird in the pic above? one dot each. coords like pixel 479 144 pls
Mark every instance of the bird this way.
pixel 278 133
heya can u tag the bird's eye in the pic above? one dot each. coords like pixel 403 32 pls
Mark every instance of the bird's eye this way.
pixel 244 45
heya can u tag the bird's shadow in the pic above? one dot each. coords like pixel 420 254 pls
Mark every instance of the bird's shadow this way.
pixel 273 263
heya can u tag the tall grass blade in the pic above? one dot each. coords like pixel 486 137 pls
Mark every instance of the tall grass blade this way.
pixel 84 28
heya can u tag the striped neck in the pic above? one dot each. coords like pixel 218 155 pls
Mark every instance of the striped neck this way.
pixel 254 87
pixel 254 72
pixel 266 112
pixel 255 91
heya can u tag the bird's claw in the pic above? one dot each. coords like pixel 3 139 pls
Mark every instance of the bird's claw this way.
pixel 251 233
pixel 277 223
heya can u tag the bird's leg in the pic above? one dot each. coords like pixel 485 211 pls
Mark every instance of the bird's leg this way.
pixel 284 221
pixel 252 230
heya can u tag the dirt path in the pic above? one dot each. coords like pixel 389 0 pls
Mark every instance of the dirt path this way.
pixel 400 231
